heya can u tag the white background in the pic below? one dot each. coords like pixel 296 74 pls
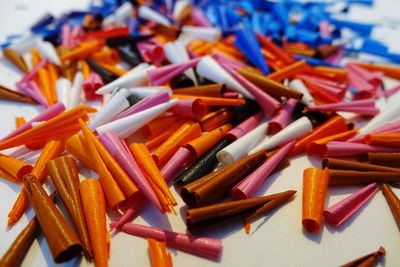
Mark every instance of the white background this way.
pixel 277 240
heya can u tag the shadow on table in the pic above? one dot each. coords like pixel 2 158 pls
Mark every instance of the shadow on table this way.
pixel 13 186
pixel 155 218
pixel 315 237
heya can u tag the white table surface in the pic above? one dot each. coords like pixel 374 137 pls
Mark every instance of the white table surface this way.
pixel 277 240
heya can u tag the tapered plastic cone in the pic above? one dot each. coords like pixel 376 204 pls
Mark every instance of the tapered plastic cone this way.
pixel 47 50
pixel 120 15
pixel 14 167
pixel 176 52
pixel 333 126
pixel 315 185
pixel 298 85
pixel 24 45
pixel 21 244
pixel 192 108
pixel 10 95
pixel 357 105
pixel 128 125
pixel 62 241
pixel 16 59
pixel 147 102
pixel 31 89
pixel 271 87
pixel 393 202
pixel 113 107
pixel 181 49
pixel 295 130
pixel 368 260
pixel 210 69
pixel 217 184
pixel 161 75
pixel 393 127
pixel 387 115
pixel 47 114
pixel 283 117
pixel 247 43
pixel 341 211
pixel 182 9
pixel 202 144
pixel 75 96
pixel 241 146
pixel 63 172
pixel 203 33
pixel 342 149
pixel 176 163
pixel 200 246
pixel 59 125
pixel 203 165
pixel 63 87
pixel 94 206
pixel 135 77
pixel 266 102
pixel 121 153
pixel 251 183
pixel 203 218
pixel 210 90
pixel 246 126
pixel 143 92
pixel 172 54
pixel 147 13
